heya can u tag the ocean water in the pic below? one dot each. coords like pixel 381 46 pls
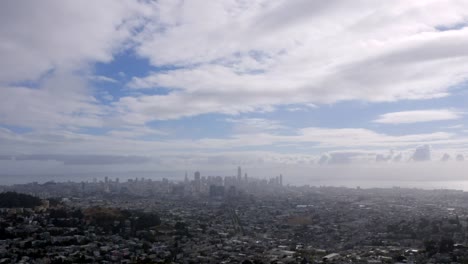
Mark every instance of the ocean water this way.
pixel 427 185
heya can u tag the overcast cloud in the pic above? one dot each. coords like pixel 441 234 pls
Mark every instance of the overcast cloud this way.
pixel 161 85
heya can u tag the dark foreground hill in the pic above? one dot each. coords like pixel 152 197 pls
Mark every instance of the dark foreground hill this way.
pixel 13 199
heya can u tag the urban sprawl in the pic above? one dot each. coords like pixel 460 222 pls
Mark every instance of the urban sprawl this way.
pixel 232 219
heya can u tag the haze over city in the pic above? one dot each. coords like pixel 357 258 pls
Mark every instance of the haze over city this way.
pixel 342 93
pixel 234 131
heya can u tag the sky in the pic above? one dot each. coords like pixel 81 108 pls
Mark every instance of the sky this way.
pixel 340 88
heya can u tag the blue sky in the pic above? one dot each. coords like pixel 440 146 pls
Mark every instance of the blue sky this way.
pixel 262 83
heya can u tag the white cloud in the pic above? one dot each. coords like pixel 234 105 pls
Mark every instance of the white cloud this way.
pixel 100 78
pixel 47 50
pixel 422 153
pixel 135 132
pixel 124 141
pixel 61 99
pixel 407 117
pixel 249 125
pixel 455 126
pixel 345 157
pixel 355 137
pixel 398 158
pixel 298 52
pixel 164 153
pixel 41 36
pixel 445 157
pixel 243 56
pixel 295 109
pixel 384 158
pixel 105 95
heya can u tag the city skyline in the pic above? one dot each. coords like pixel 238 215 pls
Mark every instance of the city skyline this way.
pixel 234 131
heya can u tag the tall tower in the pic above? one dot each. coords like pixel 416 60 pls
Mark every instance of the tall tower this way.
pixel 239 174
pixel 281 179
pixel 197 181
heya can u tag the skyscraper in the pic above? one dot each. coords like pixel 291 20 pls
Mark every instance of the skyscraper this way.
pixel 239 174
pixel 197 181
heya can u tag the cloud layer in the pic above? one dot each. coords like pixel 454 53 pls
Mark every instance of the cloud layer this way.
pixel 407 117
pixel 244 57
pixel 229 82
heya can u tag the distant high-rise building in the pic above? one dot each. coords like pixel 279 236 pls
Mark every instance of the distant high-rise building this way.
pixel 186 180
pixel 216 191
pixel 197 181
pixel 232 191
pixel 239 174
pixel 178 189
pixel 245 177
pixel 281 179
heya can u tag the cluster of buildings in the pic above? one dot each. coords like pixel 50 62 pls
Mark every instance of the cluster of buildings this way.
pixel 237 219
pixel 218 186
pixel 196 185
pixel 35 236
